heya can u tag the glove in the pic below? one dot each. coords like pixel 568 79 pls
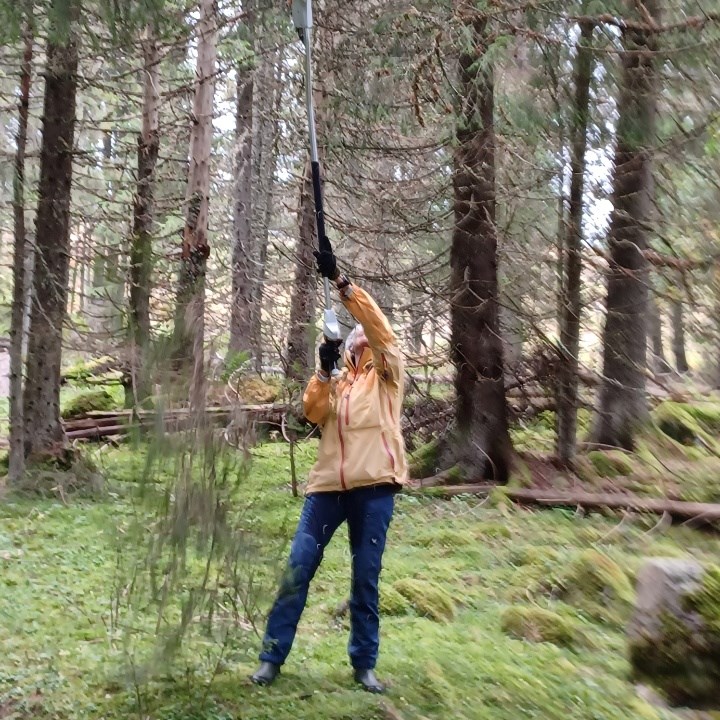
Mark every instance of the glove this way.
pixel 326 264
pixel 329 353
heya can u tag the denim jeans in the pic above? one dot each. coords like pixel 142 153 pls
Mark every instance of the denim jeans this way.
pixel 368 512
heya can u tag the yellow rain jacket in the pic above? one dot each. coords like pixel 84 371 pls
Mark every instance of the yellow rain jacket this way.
pixel 359 410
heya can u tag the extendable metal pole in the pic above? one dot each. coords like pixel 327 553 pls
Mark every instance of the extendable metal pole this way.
pixel 303 20
pixel 314 158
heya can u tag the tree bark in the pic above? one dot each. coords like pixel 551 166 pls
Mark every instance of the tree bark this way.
pixel 622 402
pixel 480 443
pixel 189 332
pixel 243 250
pixel 43 429
pixel 16 466
pixel 659 364
pixel 301 334
pixel 265 152
pixel 678 340
pixel 141 251
pixel 571 303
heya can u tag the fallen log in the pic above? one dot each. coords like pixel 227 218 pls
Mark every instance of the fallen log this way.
pixel 98 431
pixel 706 513
pixel 118 423
pixel 677 509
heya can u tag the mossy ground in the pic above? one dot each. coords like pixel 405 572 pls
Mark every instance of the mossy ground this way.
pixel 66 657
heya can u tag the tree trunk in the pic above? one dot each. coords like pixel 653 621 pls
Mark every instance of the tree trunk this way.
pixel 678 340
pixel 243 250
pixel 106 300
pixel 141 252
pixel 301 334
pixel 480 444
pixel 17 429
pixel 265 152
pixel 659 364
pixel 571 307
pixel 43 429
pixel 622 402
pixel 190 312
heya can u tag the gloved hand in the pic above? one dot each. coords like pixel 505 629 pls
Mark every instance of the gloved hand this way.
pixel 329 353
pixel 326 264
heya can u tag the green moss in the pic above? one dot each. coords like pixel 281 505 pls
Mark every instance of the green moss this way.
pixel 392 603
pixel 534 555
pixel 706 413
pixel 84 370
pixel 700 481
pixel 253 389
pixel 706 602
pixel 91 401
pixel 520 477
pixel 539 625
pixel 427 598
pixel 610 464
pixel 495 530
pixel 688 424
pixel 682 663
pixel 598 587
pixel 424 460
pixel 498 497
pixel 58 574
pixel 444 537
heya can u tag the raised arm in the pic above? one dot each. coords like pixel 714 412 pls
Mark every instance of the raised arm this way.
pixel 381 338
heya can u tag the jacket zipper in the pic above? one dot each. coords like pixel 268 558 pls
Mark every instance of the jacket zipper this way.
pixel 346 398
pixel 342 446
pixel 388 451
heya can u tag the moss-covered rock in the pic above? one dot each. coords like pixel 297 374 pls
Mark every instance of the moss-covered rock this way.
pixel 597 586
pixel 426 598
pixel 423 462
pixel 700 481
pixel 674 636
pixel 610 464
pixel 688 425
pixel 392 603
pixel 706 601
pixel 84 370
pixel 253 389
pixel 542 555
pixel 91 401
pixel 706 413
pixel 536 624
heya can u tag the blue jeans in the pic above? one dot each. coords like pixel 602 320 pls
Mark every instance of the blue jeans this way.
pixel 368 512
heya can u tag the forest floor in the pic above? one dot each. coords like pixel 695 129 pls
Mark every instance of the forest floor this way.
pixel 490 612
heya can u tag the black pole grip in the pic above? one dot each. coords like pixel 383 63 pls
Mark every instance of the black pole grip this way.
pixel 323 242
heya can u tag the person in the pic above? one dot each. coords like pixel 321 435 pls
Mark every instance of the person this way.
pixel 360 466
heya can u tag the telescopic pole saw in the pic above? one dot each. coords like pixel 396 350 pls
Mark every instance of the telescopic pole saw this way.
pixel 303 20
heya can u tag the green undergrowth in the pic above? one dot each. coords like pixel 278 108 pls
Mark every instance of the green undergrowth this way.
pixel 471 629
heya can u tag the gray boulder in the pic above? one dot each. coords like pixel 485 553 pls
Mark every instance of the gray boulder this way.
pixel 674 634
